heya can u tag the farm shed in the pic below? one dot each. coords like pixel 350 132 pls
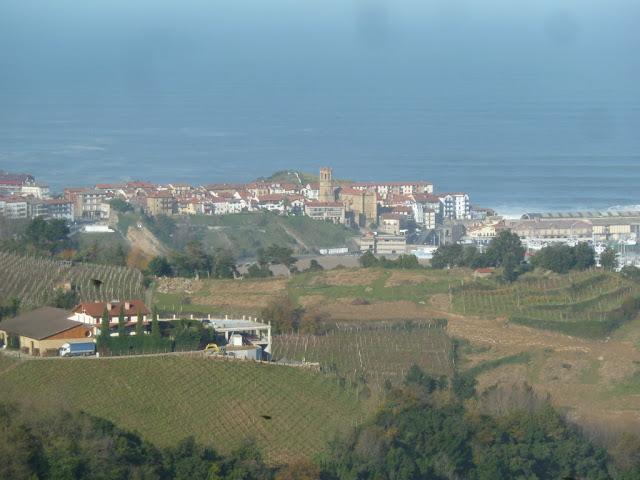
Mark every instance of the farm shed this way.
pixel 43 329
pixel 252 352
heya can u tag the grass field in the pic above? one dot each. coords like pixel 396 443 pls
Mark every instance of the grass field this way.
pixel 220 403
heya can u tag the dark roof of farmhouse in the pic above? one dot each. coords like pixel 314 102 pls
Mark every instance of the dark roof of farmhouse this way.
pixel 588 215
pixel 40 324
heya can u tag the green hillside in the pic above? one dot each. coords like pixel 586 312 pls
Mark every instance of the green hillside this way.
pixel 220 403
pixel 243 233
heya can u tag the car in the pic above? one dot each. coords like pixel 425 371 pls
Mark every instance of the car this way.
pixel 207 323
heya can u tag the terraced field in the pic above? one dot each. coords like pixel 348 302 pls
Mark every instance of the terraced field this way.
pixel 33 279
pixel 374 354
pixel 584 304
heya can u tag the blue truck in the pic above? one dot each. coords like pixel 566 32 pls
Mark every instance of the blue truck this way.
pixel 77 349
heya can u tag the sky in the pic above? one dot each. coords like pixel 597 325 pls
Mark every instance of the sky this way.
pixel 161 43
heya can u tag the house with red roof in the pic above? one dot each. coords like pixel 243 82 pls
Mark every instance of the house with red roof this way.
pixel 91 313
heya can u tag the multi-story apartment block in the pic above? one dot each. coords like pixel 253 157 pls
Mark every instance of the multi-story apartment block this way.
pixel 38 190
pixel 59 208
pixel 455 205
pixel 161 203
pixel 394 188
pixel 90 204
pixel 13 207
pixel 329 211
pixel 35 207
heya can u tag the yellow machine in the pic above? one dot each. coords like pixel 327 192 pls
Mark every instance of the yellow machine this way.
pixel 213 346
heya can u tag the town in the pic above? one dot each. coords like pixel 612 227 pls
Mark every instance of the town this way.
pixel 393 218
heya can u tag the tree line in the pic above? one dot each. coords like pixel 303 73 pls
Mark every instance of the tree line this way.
pixel 427 430
pixel 175 335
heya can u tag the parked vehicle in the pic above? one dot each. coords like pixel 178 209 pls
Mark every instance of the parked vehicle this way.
pixel 77 349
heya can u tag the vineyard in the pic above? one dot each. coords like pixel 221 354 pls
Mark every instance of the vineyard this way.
pixel 582 304
pixel 221 403
pixel 374 354
pixel 34 279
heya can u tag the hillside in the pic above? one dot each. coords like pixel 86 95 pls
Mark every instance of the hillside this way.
pixel 220 403
pixel 242 234
pixel 578 345
pixel 34 280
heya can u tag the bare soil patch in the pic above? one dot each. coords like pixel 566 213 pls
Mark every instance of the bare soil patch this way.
pixel 232 301
pixel 247 287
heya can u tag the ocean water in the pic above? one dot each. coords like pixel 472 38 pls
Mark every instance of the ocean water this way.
pixel 535 110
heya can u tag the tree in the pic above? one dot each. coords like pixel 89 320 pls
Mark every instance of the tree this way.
pixel 159 267
pixel 155 325
pixel 224 265
pixel 281 312
pixel 472 258
pixel 139 325
pixel 51 236
pixel 194 260
pixel 310 321
pixel 504 243
pixel 65 299
pixel 630 272
pixel 276 254
pixel 314 266
pixel 120 205
pixel 407 262
pixel 447 256
pixel 10 309
pixel 557 258
pixel 255 271
pixel 368 260
pixel 584 256
pixel 122 330
pixel 510 265
pixel 105 333
pixel 608 259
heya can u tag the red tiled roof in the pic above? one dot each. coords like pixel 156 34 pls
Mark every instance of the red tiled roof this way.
pixel 485 270
pixel 96 309
pixel 272 198
pixel 402 208
pixel 225 186
pixel 351 191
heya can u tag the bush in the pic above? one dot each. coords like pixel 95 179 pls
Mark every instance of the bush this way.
pixel 188 339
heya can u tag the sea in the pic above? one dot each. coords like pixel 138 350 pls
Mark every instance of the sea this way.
pixel 520 126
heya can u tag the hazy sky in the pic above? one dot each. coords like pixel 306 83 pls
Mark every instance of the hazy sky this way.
pixel 145 43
